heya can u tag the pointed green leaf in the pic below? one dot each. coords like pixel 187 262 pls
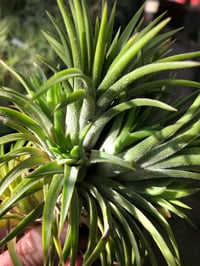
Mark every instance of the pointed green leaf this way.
pixel 64 50
pixel 106 98
pixel 70 178
pixel 56 78
pixel 70 29
pixel 17 136
pixel 34 111
pixel 93 225
pixel 88 33
pixel 136 152
pixel 49 212
pixel 103 157
pixel 150 227
pixel 100 49
pixel 56 45
pixel 78 18
pixel 129 28
pixel 171 147
pixel 77 95
pixel 25 222
pixel 115 71
pixel 22 190
pixel 75 214
pixel 104 227
pixel 47 169
pixel 16 153
pixel 180 57
pixel 20 170
pixel 26 83
pixel 13 252
pixel 100 123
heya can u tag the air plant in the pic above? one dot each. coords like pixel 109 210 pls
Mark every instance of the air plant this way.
pixel 97 144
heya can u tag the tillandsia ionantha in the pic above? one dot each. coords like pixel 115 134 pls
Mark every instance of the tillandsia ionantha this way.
pixel 95 143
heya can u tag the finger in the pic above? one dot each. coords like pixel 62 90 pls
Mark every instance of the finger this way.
pixel 29 248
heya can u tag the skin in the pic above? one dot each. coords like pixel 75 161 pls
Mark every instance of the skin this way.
pixel 29 248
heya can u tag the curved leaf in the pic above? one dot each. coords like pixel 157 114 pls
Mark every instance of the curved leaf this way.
pixel 27 220
pixel 116 88
pixel 49 212
pixel 102 120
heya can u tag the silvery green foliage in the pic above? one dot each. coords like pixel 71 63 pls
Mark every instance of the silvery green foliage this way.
pixel 99 143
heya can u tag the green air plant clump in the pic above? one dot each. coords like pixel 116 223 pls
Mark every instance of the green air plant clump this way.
pixel 97 143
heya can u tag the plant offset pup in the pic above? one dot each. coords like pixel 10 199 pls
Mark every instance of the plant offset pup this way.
pixel 95 144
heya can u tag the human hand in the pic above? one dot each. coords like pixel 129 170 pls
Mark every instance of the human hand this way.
pixel 29 249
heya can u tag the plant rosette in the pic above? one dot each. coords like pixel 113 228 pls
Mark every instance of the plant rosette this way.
pixel 97 143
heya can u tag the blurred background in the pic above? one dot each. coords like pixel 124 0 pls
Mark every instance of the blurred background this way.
pixel 21 39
